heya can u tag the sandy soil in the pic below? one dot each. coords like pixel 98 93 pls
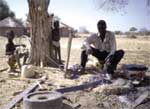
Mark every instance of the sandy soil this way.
pixel 137 52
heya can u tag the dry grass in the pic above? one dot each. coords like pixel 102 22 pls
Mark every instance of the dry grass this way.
pixel 136 50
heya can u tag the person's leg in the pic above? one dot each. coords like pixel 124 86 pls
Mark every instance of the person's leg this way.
pixel 59 54
pixel 96 53
pixel 100 56
pixel 55 49
pixel 84 57
pixel 18 56
pixel 29 57
pixel 115 60
pixel 25 57
pixel 11 63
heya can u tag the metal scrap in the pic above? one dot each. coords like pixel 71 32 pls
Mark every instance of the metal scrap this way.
pixel 83 86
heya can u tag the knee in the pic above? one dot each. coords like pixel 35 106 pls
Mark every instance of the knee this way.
pixel 121 53
pixel 11 61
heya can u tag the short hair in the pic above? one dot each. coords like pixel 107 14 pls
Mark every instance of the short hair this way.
pixel 56 24
pixel 101 22
pixel 10 34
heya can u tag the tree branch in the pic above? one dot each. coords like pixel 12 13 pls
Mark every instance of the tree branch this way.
pixel 148 3
pixel 116 5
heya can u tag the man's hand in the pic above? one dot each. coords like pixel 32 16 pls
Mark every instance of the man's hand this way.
pixel 89 51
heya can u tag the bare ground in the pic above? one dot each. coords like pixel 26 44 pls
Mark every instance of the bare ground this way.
pixel 137 52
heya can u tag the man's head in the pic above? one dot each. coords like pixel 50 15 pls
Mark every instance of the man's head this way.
pixel 56 24
pixel 101 26
pixel 10 36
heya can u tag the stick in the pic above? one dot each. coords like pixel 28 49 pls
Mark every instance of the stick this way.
pixel 140 99
pixel 19 97
pixel 83 86
pixel 68 50
pixel 4 69
pixel 3 57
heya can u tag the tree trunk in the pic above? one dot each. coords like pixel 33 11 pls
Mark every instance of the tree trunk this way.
pixel 41 48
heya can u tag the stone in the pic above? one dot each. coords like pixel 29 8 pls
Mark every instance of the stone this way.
pixel 119 82
pixel 43 100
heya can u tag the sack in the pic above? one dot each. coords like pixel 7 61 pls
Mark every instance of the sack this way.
pixel 28 71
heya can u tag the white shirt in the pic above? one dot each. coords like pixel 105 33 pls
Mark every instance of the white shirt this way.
pixel 109 43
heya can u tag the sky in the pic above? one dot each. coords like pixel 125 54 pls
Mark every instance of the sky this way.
pixel 85 13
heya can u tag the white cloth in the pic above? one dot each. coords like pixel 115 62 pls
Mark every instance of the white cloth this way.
pixel 56 43
pixel 109 43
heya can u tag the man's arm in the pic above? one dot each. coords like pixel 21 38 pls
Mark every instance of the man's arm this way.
pixel 90 40
pixel 113 47
pixel 87 43
pixel 113 44
pixel 23 45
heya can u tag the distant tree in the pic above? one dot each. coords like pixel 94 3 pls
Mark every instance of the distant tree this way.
pixel 148 2
pixel 28 18
pixel 118 32
pixel 127 33
pixel 133 29
pixel 112 5
pixel 144 31
pixel 20 21
pixel 5 11
pixel 83 29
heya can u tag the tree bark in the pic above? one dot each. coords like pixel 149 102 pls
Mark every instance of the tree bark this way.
pixel 41 48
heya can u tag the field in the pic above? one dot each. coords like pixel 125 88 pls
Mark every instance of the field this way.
pixel 137 51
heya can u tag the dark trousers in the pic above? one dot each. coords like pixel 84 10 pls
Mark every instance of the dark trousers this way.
pixel 118 55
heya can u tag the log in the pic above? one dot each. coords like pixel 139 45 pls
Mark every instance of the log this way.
pixel 83 86
pixel 68 51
